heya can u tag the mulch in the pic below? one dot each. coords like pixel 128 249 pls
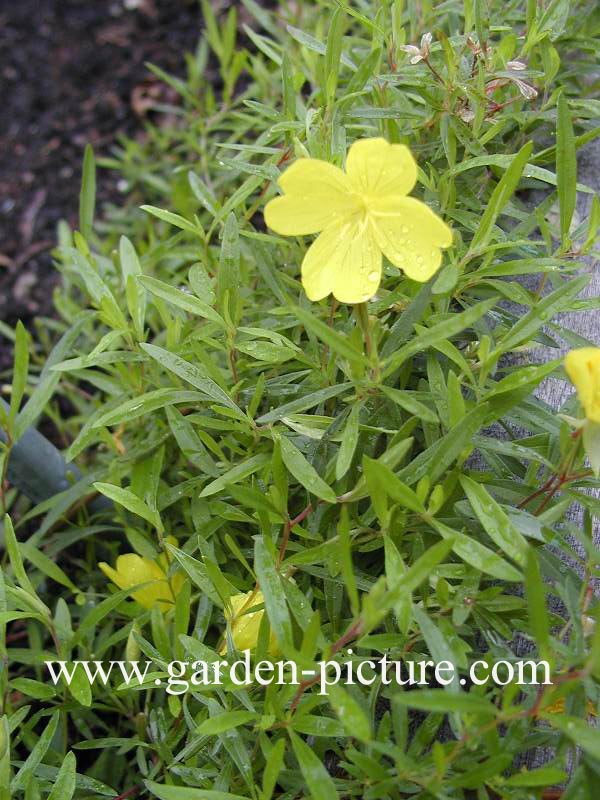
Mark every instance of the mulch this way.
pixel 71 72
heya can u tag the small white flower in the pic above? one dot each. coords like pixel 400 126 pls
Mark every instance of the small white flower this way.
pixel 466 114
pixel 526 90
pixel 418 53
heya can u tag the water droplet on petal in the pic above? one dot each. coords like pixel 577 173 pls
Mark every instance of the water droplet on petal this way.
pixel 373 276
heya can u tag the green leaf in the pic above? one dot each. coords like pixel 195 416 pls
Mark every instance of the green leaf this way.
pixel 439 333
pixel 87 195
pixel 185 793
pixel 318 781
pixel 272 768
pixel 417 573
pixel 536 603
pixel 134 293
pixel 236 474
pixel 35 756
pixel 308 41
pixel 348 443
pixel 543 776
pixel 591 444
pixel 224 722
pixel 434 461
pixel 304 472
pixel 578 731
pixel 183 300
pixel 351 714
pixel 270 584
pixel 21 366
pixel 130 501
pixel 478 555
pixel 303 403
pixel 495 521
pixel 40 560
pixel 173 219
pixel 191 373
pixel 49 379
pixel 197 572
pixel 438 646
pixel 14 555
pixel 406 401
pixel 398 491
pixel 566 167
pixel 336 341
pixel 228 276
pixel 500 197
pixel 444 702
pixel 146 403
pixel 524 329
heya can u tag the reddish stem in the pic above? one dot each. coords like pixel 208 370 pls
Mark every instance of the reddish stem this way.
pixel 288 529
pixel 353 631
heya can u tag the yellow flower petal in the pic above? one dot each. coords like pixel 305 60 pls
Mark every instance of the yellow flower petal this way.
pixel 410 235
pixel 111 574
pixel 361 214
pixel 583 368
pixel 317 194
pixel 245 624
pixel 132 570
pixel 377 167
pixel 344 260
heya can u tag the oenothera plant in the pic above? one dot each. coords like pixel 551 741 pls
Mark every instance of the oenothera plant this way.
pixel 305 475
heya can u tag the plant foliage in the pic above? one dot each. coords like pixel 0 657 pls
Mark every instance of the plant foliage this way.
pixel 391 481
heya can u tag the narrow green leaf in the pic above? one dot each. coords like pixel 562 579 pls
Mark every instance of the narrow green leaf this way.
pixel 500 197
pixel 146 403
pixel 130 501
pixel 318 781
pixel 304 472
pixel 478 555
pixel 20 369
pixel 495 521
pixel 336 341
pixel 236 474
pixel 348 443
pixel 395 488
pixel 185 793
pixel 191 373
pixel 414 407
pixel 64 785
pixel 224 722
pixel 36 755
pixel 566 167
pixel 183 300
pixel 352 716
pixel 536 603
pixel 444 702
pixel 228 276
pixel 87 195
pixel 173 219
pixel 270 584
pixel 439 333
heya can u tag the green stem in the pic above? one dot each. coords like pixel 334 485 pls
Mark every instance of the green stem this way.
pixel 365 323
pixel 362 313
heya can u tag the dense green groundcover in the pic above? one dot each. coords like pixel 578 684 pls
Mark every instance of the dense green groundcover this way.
pixel 385 497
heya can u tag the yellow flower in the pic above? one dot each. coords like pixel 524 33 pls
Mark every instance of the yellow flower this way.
pixel 245 626
pixel 361 213
pixel 559 706
pixel 131 570
pixel 583 368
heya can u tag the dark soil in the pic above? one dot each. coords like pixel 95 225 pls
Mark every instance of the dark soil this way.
pixel 71 72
